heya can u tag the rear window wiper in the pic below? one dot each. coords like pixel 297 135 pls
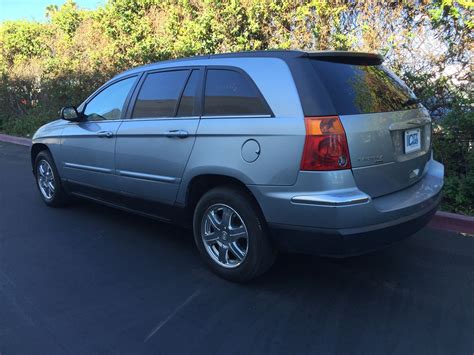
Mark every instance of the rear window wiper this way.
pixel 411 101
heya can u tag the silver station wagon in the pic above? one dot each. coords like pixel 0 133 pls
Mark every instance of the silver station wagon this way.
pixel 322 152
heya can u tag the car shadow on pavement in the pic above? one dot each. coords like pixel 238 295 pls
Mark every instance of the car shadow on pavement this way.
pixel 411 266
pixel 397 298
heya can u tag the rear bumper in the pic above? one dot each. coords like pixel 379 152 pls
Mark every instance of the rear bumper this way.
pixel 344 221
pixel 350 241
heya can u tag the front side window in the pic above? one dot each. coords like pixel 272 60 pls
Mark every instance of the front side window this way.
pixel 159 94
pixel 230 93
pixel 109 103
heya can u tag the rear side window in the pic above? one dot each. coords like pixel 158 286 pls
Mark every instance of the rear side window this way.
pixel 159 94
pixel 356 89
pixel 230 93
pixel 187 104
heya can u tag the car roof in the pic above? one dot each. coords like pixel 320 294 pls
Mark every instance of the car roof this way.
pixel 300 64
pixel 281 54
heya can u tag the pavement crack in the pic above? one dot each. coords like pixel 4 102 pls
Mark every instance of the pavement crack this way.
pixel 172 314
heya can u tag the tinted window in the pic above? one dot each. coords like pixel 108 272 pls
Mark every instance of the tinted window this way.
pixel 108 104
pixel 188 100
pixel 159 94
pixel 231 93
pixel 356 89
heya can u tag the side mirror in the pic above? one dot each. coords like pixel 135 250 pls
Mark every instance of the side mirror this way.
pixel 70 114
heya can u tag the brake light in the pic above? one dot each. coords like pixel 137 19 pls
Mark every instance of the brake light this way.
pixel 325 146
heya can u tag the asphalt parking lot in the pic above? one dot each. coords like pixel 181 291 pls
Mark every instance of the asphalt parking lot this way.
pixel 90 279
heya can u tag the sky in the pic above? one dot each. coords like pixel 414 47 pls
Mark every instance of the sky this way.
pixel 35 9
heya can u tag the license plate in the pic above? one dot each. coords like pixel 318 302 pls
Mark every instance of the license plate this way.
pixel 412 140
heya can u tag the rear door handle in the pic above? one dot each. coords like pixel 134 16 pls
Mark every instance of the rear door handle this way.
pixel 179 133
pixel 105 134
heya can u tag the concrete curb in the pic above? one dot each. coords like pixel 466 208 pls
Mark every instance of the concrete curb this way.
pixel 442 220
pixel 453 222
pixel 15 140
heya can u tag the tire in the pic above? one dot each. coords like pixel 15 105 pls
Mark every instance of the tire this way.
pixel 48 181
pixel 238 247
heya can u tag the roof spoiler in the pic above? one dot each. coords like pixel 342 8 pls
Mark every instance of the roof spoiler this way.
pixel 357 58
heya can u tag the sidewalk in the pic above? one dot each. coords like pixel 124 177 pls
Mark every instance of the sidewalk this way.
pixel 15 140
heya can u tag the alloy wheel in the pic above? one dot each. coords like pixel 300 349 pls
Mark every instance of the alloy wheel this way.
pixel 224 235
pixel 46 181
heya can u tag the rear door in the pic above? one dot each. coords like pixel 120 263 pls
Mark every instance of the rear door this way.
pixel 155 141
pixel 388 133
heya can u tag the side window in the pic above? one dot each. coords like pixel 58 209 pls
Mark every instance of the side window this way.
pixel 229 93
pixel 188 100
pixel 108 104
pixel 159 94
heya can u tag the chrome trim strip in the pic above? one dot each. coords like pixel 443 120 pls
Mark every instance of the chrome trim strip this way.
pixel 343 198
pixel 413 123
pixel 151 177
pixel 149 135
pixel 237 116
pixel 88 168
pixel 161 118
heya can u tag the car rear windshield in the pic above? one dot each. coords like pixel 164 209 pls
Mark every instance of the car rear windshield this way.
pixel 361 88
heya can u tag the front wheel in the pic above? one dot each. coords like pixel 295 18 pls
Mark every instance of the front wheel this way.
pixel 48 180
pixel 230 233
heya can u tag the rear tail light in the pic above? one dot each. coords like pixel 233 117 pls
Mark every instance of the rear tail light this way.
pixel 325 147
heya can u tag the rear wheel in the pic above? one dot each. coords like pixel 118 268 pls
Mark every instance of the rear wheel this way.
pixel 230 233
pixel 48 180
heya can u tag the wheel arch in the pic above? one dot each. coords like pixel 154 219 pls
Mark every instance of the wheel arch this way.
pixel 36 148
pixel 202 183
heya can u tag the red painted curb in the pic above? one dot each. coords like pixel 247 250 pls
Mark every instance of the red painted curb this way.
pixel 15 140
pixel 453 222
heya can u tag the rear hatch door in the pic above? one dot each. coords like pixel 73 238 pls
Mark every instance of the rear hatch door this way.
pixel 388 131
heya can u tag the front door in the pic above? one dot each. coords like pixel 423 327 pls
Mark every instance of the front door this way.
pixel 154 144
pixel 88 146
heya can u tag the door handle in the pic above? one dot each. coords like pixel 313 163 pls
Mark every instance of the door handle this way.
pixel 179 133
pixel 105 134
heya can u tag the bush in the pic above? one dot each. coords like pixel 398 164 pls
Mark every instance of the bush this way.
pixel 30 97
pixel 453 144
